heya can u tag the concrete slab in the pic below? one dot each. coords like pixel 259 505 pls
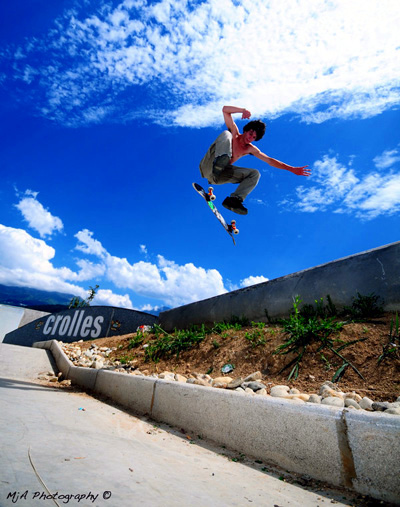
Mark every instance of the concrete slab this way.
pixel 301 439
pixel 15 363
pixel 375 442
pixel 134 392
pixel 103 456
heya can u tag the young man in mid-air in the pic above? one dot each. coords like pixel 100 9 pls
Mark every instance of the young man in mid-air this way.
pixel 217 164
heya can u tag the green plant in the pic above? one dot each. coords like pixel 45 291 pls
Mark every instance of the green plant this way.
pixel 235 323
pixel 136 341
pixel 166 345
pixel 258 325
pixel 215 344
pixel 391 349
pixel 77 302
pixel 256 338
pixel 303 330
pixel 365 307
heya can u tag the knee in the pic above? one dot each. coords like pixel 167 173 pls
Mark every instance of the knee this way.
pixel 256 175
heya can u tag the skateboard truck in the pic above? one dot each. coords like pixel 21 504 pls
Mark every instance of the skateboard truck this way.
pixel 211 195
pixel 233 228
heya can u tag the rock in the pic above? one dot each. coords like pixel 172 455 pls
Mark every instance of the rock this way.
pixel 295 400
pixel 180 378
pixel 279 391
pixel 293 390
pixel 330 384
pixel 393 411
pixel 350 403
pixel 328 392
pixel 167 375
pixel 380 406
pixel 224 381
pixel 249 391
pixel 218 385
pixel 97 365
pixel 65 383
pixel 239 390
pixel 235 383
pixel 200 382
pixel 311 377
pixel 254 386
pixel 253 377
pixel 353 396
pixel 261 392
pixel 301 396
pixel 314 398
pixel 333 401
pixel 366 403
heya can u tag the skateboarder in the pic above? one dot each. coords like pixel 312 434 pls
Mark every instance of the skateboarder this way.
pixel 217 164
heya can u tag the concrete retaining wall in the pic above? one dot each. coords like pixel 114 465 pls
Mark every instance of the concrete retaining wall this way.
pixel 345 448
pixel 374 271
pixel 14 317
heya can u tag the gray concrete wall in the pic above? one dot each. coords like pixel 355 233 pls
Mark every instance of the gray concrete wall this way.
pixel 374 271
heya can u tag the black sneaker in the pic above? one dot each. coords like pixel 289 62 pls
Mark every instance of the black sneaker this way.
pixel 235 204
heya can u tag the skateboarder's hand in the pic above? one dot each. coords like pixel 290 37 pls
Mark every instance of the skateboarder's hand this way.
pixel 301 171
pixel 246 114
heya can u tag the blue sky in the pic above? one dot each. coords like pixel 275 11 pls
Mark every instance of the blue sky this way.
pixel 108 107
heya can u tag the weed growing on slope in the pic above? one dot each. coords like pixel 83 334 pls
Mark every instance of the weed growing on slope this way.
pixel 306 327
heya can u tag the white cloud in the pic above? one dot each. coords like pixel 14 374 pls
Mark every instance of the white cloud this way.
pixel 338 188
pixel 26 261
pixel 387 159
pixel 252 280
pixel 321 59
pixel 167 281
pixel 108 298
pixel 89 245
pixel 37 216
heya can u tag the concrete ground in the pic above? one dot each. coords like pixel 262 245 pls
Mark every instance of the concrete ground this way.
pixel 85 452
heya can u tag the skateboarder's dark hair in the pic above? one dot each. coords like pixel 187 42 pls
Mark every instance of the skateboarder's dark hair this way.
pixel 258 126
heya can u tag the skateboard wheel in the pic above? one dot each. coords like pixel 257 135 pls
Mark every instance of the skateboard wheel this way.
pixel 212 197
pixel 235 231
pixel 211 194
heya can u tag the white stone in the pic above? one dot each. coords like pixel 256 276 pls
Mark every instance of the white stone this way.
pixel 279 391
pixel 333 401
pixel 366 403
pixel 350 403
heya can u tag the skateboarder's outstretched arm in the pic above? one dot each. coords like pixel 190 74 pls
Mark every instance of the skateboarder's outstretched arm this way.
pixel 300 171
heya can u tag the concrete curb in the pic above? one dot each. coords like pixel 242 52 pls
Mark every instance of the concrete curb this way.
pixel 355 450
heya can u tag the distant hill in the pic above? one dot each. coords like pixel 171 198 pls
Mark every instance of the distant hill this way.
pixel 35 299
pixel 42 300
pixel 158 311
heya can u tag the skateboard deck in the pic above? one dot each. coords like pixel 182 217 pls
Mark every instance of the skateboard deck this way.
pixel 230 229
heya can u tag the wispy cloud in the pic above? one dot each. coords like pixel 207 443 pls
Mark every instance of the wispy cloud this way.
pixel 339 188
pixel 387 159
pixel 177 62
pixel 38 218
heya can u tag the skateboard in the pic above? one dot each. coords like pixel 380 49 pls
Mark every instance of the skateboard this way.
pixel 209 198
